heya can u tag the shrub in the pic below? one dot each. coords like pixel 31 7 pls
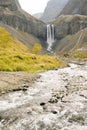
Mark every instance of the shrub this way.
pixel 37 48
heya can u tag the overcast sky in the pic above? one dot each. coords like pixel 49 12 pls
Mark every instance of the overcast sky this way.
pixel 33 6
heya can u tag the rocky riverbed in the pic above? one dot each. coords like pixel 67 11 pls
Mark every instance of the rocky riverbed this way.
pixel 56 101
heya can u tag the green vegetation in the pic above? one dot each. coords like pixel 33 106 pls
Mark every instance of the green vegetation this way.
pixel 14 56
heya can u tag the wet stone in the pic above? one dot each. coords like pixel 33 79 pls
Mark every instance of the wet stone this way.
pixel 24 89
pixel 53 100
pixel 42 104
pixel 54 112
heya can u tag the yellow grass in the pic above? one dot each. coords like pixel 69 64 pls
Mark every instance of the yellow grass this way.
pixel 81 54
pixel 15 56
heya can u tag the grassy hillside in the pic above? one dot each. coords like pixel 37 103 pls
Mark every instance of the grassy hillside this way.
pixel 73 45
pixel 14 56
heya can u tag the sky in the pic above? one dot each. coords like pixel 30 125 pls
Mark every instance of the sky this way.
pixel 33 6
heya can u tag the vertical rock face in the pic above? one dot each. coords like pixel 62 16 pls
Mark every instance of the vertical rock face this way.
pixel 11 14
pixel 75 7
pixel 54 7
pixel 68 25
pixel 69 31
pixel 70 22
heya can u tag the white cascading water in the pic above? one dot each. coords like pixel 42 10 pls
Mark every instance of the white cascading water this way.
pixel 50 36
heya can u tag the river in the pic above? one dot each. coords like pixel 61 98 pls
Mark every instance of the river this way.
pixel 56 101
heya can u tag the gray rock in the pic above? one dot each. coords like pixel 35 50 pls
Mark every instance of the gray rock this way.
pixel 68 25
pixel 75 7
pixel 53 9
pixel 11 14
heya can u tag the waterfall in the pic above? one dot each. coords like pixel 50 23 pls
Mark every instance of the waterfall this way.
pixel 52 33
pixel 50 36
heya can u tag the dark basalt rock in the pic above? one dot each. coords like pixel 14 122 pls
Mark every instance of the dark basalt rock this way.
pixel 54 112
pixel 42 104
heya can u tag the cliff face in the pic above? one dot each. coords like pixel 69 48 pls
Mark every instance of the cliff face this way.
pixel 75 7
pixel 11 14
pixel 68 30
pixel 54 7
pixel 73 45
pixel 68 25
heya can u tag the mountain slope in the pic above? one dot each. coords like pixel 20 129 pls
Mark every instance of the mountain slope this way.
pixel 70 33
pixel 15 56
pixel 28 39
pixel 53 8
pixel 75 7
pixel 12 15
pixel 74 45
pixel 68 25
pixel 38 15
